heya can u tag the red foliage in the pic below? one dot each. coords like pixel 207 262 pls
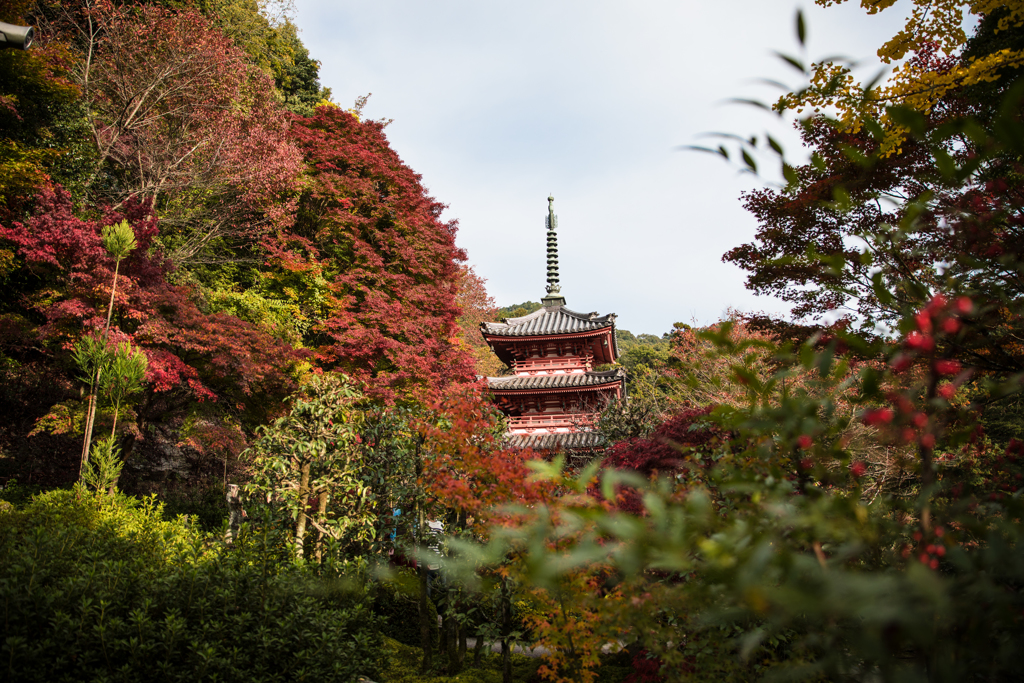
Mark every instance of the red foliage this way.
pixel 645 669
pixel 477 307
pixel 179 115
pixel 367 227
pixel 661 451
pixel 64 275
pixel 686 436
pixel 469 469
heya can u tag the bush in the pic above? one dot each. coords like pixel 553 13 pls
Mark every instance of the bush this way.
pixel 204 503
pixel 397 604
pixel 98 588
pixel 403 666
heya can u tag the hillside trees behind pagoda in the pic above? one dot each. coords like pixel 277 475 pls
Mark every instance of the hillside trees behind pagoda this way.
pixel 477 307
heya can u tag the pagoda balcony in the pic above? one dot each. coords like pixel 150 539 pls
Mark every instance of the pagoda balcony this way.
pixel 551 366
pixel 528 424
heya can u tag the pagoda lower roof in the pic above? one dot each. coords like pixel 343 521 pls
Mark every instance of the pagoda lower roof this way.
pixel 546 383
pixel 555 442
pixel 548 321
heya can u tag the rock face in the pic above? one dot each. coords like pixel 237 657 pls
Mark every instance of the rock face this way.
pixel 157 455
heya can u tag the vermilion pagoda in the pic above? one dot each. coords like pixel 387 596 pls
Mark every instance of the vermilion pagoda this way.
pixel 554 394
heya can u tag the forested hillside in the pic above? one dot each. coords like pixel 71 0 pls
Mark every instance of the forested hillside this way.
pixel 277 234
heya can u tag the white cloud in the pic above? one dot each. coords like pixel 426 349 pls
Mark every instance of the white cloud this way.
pixel 499 104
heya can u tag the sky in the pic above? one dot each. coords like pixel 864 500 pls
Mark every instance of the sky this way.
pixel 499 104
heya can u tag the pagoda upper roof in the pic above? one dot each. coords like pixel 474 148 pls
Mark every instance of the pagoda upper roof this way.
pixel 550 320
pixel 568 381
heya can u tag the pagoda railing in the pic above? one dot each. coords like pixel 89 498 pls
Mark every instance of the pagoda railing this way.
pixel 548 364
pixel 577 420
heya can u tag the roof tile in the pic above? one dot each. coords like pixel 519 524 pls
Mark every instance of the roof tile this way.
pixel 566 381
pixel 543 442
pixel 553 320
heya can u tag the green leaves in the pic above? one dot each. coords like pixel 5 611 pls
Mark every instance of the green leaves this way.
pixel 312 453
pixel 106 588
pixel 119 240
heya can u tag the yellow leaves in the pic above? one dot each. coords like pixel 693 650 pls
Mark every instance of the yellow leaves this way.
pixel 915 84
pixel 754 597
pixel 6 262
pixel 716 553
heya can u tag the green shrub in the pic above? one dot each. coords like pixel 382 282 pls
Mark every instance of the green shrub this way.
pixel 99 588
pixel 403 666
pixel 204 503
pixel 397 604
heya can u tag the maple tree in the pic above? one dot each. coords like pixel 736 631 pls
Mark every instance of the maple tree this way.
pixel 369 262
pixel 873 234
pixel 476 478
pixel 64 280
pixel 176 115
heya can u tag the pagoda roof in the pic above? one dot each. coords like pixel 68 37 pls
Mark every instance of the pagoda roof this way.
pixel 568 381
pixel 552 442
pixel 550 320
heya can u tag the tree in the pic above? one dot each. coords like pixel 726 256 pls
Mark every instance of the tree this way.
pixel 177 117
pixel 470 473
pixel 477 307
pixel 308 460
pixel 116 374
pixel 119 241
pixel 875 233
pixel 369 262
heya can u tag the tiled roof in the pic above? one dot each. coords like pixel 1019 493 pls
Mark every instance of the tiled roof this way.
pixel 546 442
pixel 553 320
pixel 567 381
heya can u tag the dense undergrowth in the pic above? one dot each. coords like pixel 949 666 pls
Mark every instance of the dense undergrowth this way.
pixel 100 588
pixel 95 587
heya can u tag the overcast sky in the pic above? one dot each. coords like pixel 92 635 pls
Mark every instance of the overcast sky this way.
pixel 498 104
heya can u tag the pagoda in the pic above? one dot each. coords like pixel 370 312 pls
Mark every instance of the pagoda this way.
pixel 554 395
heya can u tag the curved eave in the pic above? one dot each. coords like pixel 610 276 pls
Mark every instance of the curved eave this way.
pixel 556 390
pixel 549 337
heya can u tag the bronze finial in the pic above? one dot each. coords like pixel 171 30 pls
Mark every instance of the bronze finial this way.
pixel 554 296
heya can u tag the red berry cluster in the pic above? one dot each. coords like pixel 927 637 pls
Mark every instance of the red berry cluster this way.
pixel 930 547
pixel 909 424
pixel 939 317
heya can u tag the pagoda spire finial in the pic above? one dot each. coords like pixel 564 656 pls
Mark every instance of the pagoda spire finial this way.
pixel 554 291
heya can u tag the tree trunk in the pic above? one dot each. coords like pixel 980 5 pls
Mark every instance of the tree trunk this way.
pixel 234 512
pixel 321 511
pixel 425 640
pixel 506 630
pixel 91 418
pixel 300 521
pixel 452 643
pixel 478 649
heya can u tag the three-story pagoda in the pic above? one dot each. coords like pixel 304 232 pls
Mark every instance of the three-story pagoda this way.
pixel 554 395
